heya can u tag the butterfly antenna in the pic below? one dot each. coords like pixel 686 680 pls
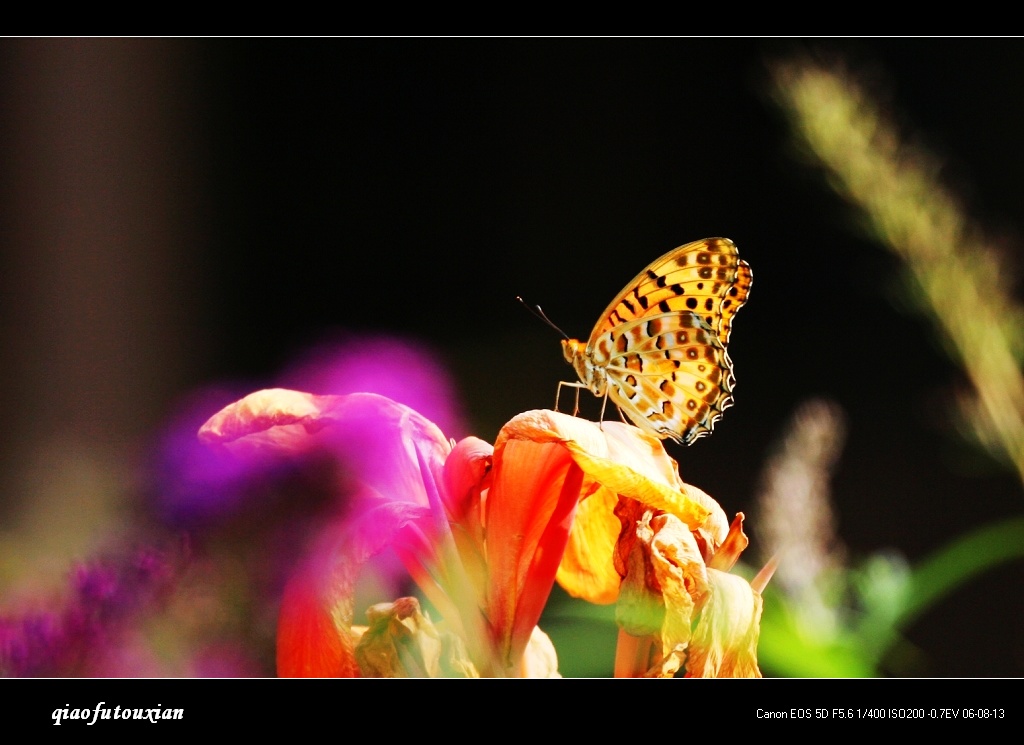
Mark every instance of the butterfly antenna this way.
pixel 536 310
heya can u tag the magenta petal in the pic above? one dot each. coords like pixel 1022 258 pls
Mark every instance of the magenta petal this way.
pixel 380 441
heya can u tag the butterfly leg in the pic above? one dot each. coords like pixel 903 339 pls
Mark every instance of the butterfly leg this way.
pixel 558 393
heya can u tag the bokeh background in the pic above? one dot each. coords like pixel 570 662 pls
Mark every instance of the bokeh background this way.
pixel 185 220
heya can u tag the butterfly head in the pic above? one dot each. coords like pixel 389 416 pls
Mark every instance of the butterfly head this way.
pixel 572 348
pixel 576 354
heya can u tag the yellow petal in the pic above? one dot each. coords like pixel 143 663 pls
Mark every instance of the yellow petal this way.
pixel 587 569
pixel 635 465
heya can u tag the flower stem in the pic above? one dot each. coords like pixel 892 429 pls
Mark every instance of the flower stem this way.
pixel 632 655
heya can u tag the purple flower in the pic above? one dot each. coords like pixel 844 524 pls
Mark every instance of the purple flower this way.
pixel 105 597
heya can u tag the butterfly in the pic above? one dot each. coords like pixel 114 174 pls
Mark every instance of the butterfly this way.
pixel 659 349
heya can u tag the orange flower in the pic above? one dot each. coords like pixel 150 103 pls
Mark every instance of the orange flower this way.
pixel 661 549
pixel 484 531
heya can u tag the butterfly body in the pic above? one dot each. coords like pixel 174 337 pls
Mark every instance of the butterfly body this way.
pixel 659 349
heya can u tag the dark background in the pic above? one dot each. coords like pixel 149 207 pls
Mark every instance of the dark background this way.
pixel 417 186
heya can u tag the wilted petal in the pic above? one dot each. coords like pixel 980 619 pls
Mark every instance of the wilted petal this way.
pixel 729 550
pixel 724 643
pixel 664 584
pixel 682 576
pixel 635 465
pixel 402 642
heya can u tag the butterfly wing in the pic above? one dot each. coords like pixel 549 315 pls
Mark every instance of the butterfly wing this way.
pixel 662 342
pixel 706 277
pixel 669 373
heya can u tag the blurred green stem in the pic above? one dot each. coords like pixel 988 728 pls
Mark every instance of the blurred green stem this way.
pixel 965 558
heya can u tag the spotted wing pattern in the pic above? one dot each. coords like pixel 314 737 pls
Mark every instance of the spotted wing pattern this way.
pixel 659 349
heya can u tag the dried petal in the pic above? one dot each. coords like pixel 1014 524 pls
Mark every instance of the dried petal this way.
pixel 402 642
pixel 725 641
